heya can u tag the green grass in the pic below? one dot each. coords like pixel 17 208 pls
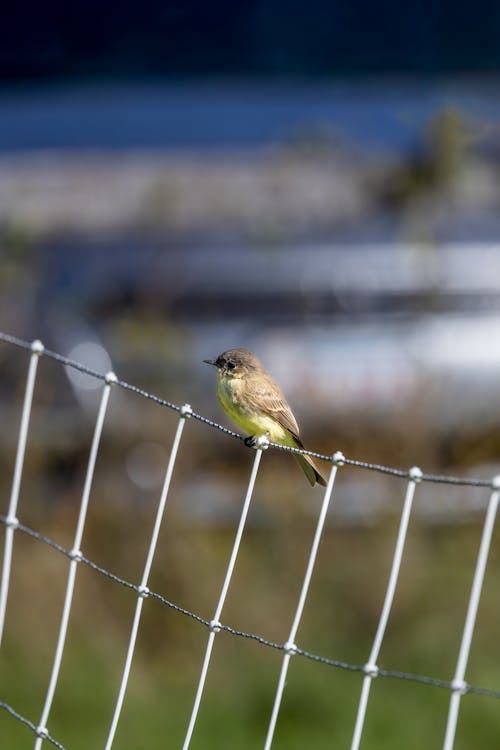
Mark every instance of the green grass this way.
pixel 320 702
pixel 318 708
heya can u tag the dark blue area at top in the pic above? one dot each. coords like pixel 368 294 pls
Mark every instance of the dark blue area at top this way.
pixel 247 38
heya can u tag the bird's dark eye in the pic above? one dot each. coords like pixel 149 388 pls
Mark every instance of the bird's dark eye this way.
pixel 230 365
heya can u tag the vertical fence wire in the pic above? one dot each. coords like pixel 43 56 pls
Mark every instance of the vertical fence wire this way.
pixel 215 623
pixel 75 557
pixel 458 684
pixel 143 588
pixel 371 668
pixel 290 646
pixel 12 521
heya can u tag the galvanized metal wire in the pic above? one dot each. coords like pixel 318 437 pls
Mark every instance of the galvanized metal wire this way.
pixel 457 687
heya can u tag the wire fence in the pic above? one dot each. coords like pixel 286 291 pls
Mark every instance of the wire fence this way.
pixel 457 687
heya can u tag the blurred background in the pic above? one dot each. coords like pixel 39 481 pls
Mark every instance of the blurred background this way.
pixel 320 184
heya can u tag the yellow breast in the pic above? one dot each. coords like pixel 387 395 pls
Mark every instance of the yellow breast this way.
pixel 246 414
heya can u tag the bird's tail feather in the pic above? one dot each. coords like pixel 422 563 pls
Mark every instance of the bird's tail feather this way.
pixel 309 468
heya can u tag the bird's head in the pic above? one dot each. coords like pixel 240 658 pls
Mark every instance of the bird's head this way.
pixel 235 363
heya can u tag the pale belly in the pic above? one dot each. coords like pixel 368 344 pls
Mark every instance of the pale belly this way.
pixel 250 420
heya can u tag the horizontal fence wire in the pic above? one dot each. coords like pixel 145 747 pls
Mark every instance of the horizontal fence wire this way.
pixel 457 687
pixel 321 659
pixel 23 720
pixel 391 471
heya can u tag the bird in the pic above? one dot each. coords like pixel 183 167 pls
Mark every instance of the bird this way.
pixel 255 402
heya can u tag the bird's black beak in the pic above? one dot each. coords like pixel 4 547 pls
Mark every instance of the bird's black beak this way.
pixel 210 362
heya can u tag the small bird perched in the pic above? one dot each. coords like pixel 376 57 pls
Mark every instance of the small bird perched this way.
pixel 250 396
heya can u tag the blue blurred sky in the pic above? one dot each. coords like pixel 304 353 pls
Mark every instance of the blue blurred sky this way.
pixel 389 115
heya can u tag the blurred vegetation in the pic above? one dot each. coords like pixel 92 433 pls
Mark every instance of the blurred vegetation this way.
pixel 316 185
pixel 437 169
pixel 53 287
pixel 339 621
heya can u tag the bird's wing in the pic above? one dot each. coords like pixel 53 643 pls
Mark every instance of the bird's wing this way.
pixel 268 396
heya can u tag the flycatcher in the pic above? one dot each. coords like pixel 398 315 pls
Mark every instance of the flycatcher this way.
pixel 250 396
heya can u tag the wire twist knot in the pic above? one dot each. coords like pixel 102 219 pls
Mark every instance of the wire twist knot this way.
pixel 459 686
pixel 37 347
pixel 12 522
pixel 262 442
pixel 371 670
pixel 495 482
pixel 415 474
